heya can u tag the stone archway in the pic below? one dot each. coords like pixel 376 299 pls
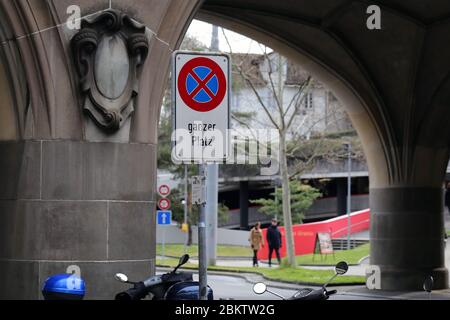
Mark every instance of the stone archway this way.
pixel 392 83
pixel 76 198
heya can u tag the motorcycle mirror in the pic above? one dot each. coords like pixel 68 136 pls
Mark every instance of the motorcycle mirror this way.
pixel 183 260
pixel 341 268
pixel 259 288
pixel 428 284
pixel 121 277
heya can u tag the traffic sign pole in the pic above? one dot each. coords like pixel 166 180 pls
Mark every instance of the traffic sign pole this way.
pixel 186 205
pixel 163 243
pixel 202 261
pixel 212 177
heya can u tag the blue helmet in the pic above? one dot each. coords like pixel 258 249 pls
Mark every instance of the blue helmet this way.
pixel 64 287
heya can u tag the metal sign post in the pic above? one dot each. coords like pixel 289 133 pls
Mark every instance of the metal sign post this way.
pixel 199 199
pixel 202 254
pixel 186 207
pixel 163 244
pixel 212 201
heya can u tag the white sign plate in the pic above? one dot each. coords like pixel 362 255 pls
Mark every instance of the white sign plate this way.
pixel 201 88
pixel 198 190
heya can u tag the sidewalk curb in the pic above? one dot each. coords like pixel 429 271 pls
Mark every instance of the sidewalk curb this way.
pixel 218 258
pixel 362 259
pixel 326 265
pixel 241 274
pixel 273 263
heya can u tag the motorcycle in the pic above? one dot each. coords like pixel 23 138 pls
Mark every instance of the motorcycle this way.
pixel 170 286
pixel 307 293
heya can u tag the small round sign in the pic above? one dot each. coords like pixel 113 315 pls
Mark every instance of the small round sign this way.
pixel 164 204
pixel 164 190
pixel 202 84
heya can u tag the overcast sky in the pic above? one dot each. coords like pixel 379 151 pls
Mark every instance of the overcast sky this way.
pixel 239 43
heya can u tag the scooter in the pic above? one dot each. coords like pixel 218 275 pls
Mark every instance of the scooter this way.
pixel 307 293
pixel 170 286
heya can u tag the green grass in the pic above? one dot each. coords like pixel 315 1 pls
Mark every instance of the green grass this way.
pixel 297 275
pixel 177 250
pixel 350 256
pixel 448 232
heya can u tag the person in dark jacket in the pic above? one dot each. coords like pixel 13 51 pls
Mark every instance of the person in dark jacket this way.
pixel 274 241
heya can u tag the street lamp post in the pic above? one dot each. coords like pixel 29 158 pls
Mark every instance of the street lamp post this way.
pixel 276 183
pixel 349 192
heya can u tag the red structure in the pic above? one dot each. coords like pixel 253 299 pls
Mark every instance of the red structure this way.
pixel 305 234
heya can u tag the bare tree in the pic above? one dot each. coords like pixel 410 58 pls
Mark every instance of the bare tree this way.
pixel 282 120
pixel 285 114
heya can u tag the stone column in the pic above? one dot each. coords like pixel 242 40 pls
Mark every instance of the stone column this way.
pixel 407 230
pixel 78 167
pixel 68 203
pixel 407 222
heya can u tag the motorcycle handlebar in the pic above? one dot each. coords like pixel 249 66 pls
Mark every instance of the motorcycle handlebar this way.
pixel 141 289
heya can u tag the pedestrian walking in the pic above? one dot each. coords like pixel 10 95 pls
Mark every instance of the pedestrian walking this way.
pixel 256 241
pixel 274 241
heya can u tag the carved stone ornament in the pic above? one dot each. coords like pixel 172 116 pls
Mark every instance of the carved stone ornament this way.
pixel 109 51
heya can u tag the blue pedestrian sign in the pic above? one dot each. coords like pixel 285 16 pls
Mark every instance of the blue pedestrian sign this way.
pixel 164 217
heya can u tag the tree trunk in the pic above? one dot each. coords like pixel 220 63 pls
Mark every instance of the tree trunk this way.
pixel 287 216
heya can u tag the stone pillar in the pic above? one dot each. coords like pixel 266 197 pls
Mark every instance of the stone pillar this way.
pixel 407 223
pixel 407 230
pixel 243 204
pixel 77 203
pixel 78 162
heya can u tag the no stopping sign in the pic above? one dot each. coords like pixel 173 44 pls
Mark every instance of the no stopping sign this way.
pixel 202 84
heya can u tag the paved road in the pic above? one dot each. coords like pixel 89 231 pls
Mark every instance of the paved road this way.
pixel 237 288
pixel 226 287
pixel 240 289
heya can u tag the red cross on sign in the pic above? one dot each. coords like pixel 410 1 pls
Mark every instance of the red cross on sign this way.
pixel 202 84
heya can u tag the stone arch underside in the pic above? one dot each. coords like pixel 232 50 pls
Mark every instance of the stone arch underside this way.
pixel 393 83
pixel 379 75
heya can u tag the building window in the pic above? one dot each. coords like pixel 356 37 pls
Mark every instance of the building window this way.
pixel 309 101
